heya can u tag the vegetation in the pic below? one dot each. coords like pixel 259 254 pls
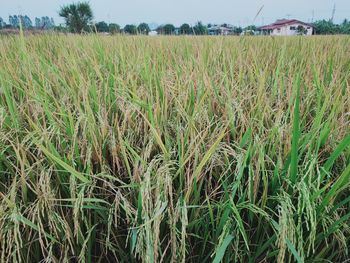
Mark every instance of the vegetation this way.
pixel 327 27
pixel 143 29
pixel 199 149
pixel 168 29
pixel 78 21
pixel 44 23
pixel 237 30
pixel 102 27
pixel 186 29
pixel 200 29
pixel 24 21
pixel 2 23
pixel 113 28
pixel 130 29
pixel 78 16
pixel 14 22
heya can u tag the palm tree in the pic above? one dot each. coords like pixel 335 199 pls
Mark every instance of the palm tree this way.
pixel 77 16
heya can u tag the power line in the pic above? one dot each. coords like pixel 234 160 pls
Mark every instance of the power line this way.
pixel 333 12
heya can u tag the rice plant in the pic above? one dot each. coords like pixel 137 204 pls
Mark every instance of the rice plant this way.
pixel 174 149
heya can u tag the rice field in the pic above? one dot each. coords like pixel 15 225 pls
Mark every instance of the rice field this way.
pixel 174 149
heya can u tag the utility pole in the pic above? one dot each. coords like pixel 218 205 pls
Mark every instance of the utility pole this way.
pixel 333 13
pixel 313 16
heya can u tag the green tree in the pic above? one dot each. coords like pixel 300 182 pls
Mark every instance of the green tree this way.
pixel 114 28
pixel 102 27
pixel 77 16
pixel 2 23
pixel 130 29
pixel 345 27
pixel 324 27
pixel 250 28
pixel 185 29
pixel 200 29
pixel 143 28
pixel 167 29
pixel 237 30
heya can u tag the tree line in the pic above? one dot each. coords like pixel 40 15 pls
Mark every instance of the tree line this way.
pixel 143 28
pixel 327 27
pixel 79 19
pixel 15 21
pixel 321 27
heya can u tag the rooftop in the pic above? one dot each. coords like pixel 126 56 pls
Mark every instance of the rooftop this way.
pixel 284 22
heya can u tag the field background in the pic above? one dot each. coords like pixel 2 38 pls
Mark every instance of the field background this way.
pixel 174 149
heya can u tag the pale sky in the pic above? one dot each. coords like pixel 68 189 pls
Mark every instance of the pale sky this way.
pixel 237 12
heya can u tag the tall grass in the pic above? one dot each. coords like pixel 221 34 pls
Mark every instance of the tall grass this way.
pixel 174 149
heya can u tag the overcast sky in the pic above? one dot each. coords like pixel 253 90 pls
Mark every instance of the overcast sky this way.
pixel 237 12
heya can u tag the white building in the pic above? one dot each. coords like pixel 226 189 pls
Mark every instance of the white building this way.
pixel 152 33
pixel 287 27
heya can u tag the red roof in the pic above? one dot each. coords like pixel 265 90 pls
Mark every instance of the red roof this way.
pixel 283 22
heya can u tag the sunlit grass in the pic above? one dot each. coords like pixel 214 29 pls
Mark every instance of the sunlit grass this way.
pixel 174 149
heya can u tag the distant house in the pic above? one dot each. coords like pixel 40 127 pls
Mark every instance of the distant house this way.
pixel 287 27
pixel 220 30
